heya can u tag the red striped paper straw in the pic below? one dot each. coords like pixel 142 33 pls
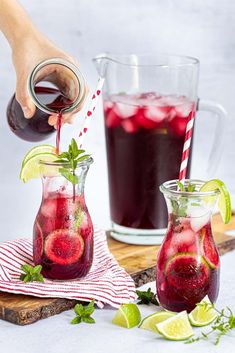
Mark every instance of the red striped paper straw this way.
pixel 90 111
pixel 186 148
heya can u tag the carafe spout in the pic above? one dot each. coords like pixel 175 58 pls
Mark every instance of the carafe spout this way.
pixel 101 62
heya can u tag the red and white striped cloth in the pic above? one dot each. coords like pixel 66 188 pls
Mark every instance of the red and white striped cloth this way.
pixel 106 283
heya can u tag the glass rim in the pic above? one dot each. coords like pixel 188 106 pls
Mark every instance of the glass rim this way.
pixel 71 67
pixel 86 162
pixel 165 188
pixel 117 57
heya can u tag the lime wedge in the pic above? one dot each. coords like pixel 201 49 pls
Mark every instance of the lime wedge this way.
pixel 32 169
pixel 203 314
pixel 149 322
pixel 176 328
pixel 128 316
pixel 38 149
pixel 224 202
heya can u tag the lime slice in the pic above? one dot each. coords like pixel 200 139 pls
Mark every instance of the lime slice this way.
pixel 32 169
pixel 149 322
pixel 224 203
pixel 203 315
pixel 38 149
pixel 128 316
pixel 176 328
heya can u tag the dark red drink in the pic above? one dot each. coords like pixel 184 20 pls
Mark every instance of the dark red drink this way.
pixel 63 237
pixel 188 264
pixel 144 140
pixel 37 128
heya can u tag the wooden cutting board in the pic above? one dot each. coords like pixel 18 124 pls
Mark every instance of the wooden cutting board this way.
pixel 138 261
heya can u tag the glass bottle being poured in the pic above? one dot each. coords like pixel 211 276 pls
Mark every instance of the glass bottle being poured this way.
pixel 56 87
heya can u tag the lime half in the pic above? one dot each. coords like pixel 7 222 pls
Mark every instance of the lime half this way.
pixel 149 322
pixel 38 149
pixel 32 169
pixel 224 202
pixel 203 314
pixel 128 316
pixel 176 328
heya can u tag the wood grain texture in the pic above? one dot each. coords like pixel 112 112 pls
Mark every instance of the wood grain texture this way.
pixel 138 261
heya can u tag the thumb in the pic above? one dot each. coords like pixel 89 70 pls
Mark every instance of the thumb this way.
pixel 25 101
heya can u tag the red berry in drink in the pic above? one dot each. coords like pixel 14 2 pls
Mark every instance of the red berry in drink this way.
pixel 37 243
pixel 186 271
pixel 209 249
pixel 64 247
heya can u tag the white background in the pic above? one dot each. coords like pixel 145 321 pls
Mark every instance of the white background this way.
pixel 202 28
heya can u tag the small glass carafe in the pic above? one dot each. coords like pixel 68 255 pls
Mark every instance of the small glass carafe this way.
pixel 188 261
pixel 63 230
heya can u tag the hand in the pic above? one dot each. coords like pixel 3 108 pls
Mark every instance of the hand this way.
pixel 26 55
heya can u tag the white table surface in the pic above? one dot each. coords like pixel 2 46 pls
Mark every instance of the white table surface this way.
pixel 57 335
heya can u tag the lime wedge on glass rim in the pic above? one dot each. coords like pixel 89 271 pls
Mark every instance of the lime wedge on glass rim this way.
pixel 224 202
pixel 176 328
pixel 38 149
pixel 31 168
pixel 149 322
pixel 128 316
pixel 203 314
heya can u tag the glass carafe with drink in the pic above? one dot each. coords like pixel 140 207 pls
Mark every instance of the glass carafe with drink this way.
pixel 147 103
pixel 188 261
pixel 63 230
pixel 55 86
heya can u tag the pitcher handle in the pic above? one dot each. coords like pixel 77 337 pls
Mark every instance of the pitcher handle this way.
pixel 220 128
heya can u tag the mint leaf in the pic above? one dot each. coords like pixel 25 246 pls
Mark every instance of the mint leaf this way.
pixel 72 157
pixel 31 274
pixel 69 176
pixel 83 313
pixel 74 148
pixel 79 309
pixel 76 320
pixel 88 320
pixel 147 297
pixel 37 269
pixel 191 188
pixel 89 309
pixel 180 185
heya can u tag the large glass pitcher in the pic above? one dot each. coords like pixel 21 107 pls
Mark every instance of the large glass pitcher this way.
pixel 147 103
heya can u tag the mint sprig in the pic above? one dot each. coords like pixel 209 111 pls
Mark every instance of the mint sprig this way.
pixel 83 313
pixel 31 273
pixel 71 158
pixel 180 206
pixel 146 297
pixel 223 324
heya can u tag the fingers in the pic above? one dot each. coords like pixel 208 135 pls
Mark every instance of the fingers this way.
pixel 24 100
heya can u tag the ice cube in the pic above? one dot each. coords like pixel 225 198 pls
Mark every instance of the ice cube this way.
pixel 183 110
pixel 124 110
pixel 199 217
pixel 129 125
pixel 156 113
pixel 183 239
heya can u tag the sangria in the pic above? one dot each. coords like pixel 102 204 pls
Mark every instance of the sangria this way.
pixel 188 262
pixel 144 139
pixel 63 230
pixel 37 128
